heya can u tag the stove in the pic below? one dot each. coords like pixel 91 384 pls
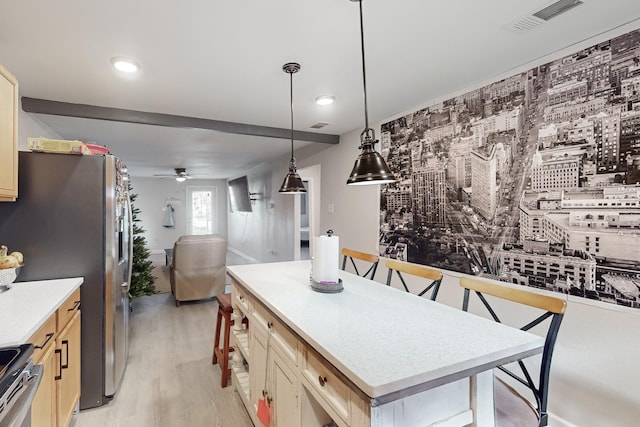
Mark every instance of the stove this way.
pixel 19 381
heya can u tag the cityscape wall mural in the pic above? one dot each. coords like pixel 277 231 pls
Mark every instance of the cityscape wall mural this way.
pixel 532 180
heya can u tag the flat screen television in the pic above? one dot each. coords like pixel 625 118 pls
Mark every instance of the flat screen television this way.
pixel 239 194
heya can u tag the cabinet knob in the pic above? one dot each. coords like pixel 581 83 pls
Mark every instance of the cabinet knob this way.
pixel 322 380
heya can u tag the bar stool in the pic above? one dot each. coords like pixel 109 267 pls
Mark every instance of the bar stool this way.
pixel 222 354
pixel 416 270
pixel 363 256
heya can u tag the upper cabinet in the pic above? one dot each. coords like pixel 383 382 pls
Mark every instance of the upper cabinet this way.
pixel 8 136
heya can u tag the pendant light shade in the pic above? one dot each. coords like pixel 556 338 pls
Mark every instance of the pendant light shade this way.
pixel 292 183
pixel 370 167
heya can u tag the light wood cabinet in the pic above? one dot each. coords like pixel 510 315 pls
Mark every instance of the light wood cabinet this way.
pixel 57 348
pixel 8 136
pixel 68 380
pixel 43 407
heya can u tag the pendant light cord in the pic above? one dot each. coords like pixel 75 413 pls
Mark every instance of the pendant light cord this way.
pixel 291 92
pixel 364 73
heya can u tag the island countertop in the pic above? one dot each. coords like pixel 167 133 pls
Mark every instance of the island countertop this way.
pixel 382 339
pixel 27 305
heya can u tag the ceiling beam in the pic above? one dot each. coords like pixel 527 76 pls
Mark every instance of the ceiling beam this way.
pixel 57 108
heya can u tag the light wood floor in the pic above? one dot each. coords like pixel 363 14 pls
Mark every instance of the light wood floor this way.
pixel 170 380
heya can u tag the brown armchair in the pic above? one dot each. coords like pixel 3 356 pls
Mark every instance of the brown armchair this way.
pixel 198 267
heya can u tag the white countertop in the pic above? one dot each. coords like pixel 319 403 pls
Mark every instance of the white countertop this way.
pixel 27 305
pixel 383 339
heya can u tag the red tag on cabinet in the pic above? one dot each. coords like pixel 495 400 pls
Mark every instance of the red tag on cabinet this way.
pixel 263 412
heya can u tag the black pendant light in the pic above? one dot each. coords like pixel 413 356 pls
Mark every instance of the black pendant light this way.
pixel 292 183
pixel 370 167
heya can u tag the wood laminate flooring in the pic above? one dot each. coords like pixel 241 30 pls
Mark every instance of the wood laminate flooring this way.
pixel 169 380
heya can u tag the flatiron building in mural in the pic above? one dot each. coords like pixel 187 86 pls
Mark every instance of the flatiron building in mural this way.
pixel 533 180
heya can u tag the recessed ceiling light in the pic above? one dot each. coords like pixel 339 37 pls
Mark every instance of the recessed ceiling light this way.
pixel 125 64
pixel 325 99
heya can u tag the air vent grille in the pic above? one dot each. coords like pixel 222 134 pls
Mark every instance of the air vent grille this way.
pixel 319 125
pixel 527 23
pixel 556 9
pixel 535 19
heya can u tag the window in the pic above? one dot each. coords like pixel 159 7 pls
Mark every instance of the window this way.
pixel 202 215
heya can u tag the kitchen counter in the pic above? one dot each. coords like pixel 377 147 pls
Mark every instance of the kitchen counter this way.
pixel 27 305
pixel 384 340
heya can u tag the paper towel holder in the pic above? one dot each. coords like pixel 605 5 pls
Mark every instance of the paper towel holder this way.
pixel 327 287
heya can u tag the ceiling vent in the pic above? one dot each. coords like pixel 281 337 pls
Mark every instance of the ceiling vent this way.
pixel 319 125
pixel 538 18
pixel 556 9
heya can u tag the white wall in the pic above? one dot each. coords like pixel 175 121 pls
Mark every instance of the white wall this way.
pixel 266 233
pixel 30 126
pixel 153 195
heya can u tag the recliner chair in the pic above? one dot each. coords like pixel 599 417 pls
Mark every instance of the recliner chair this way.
pixel 198 267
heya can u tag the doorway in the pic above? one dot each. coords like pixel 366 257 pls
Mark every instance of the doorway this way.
pixel 305 234
pixel 202 213
pixel 306 213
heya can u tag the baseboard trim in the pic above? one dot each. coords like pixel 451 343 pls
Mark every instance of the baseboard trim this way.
pixel 243 255
pixel 556 421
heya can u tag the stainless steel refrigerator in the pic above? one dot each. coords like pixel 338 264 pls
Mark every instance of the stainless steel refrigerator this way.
pixel 73 218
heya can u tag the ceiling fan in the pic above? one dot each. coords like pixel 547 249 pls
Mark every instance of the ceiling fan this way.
pixel 180 175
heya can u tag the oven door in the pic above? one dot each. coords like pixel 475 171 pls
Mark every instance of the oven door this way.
pixel 19 411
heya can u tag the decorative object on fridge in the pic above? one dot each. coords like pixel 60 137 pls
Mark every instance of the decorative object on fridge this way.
pixel 370 167
pixel 292 183
pixel 59 146
pixel 325 264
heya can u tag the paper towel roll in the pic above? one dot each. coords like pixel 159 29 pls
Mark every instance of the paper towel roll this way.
pixel 326 259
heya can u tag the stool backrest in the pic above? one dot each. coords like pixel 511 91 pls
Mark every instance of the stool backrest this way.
pixel 551 307
pixel 362 256
pixel 415 270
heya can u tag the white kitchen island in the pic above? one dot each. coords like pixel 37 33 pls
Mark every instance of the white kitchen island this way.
pixel 368 356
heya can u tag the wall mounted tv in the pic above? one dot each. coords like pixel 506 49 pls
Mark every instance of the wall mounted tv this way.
pixel 239 194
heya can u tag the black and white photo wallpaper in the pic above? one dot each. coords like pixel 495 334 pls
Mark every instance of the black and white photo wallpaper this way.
pixel 532 180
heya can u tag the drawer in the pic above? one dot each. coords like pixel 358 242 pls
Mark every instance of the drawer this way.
pixel 43 337
pixel 326 384
pixel 68 309
pixel 240 299
pixel 282 340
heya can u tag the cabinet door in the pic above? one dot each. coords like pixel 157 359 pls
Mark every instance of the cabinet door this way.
pixel 8 136
pixel 257 363
pixel 68 381
pixel 43 407
pixel 283 388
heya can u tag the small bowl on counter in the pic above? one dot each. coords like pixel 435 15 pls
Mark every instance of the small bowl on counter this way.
pixel 8 276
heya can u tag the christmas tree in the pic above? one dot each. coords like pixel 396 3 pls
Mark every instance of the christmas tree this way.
pixel 142 281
